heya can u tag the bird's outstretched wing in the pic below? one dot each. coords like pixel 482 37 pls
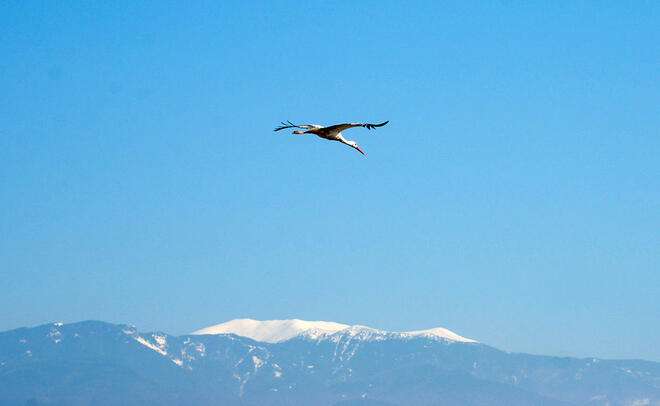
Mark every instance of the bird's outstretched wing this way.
pixel 289 124
pixel 342 127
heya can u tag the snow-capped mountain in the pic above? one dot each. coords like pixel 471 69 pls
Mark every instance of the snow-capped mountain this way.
pixel 275 331
pixel 310 363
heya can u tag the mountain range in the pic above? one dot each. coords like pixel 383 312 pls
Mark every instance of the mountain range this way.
pixel 294 362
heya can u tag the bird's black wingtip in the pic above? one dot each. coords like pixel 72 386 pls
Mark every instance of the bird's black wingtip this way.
pixel 284 125
pixel 370 126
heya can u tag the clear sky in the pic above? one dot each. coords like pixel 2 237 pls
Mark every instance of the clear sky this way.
pixel 514 198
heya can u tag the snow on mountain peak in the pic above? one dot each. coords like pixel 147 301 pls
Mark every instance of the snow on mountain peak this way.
pixel 439 332
pixel 275 331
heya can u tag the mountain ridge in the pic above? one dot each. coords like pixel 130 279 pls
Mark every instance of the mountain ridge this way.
pixel 94 362
pixel 274 331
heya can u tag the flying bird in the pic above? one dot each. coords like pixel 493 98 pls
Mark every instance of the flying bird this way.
pixel 332 133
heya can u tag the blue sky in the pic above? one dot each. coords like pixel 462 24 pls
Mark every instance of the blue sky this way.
pixel 513 198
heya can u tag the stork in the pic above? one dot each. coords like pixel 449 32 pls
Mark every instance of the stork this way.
pixel 332 133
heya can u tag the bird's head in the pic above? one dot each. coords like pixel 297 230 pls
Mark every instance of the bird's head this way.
pixel 354 145
pixel 298 132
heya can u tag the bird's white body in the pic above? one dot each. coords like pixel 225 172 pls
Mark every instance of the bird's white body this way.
pixel 332 133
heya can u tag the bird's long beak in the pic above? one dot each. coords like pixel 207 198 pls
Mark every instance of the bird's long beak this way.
pixel 358 148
